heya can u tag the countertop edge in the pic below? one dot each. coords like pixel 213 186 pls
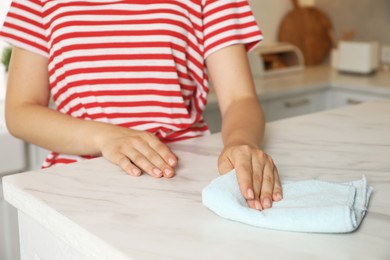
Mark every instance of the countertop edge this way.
pixel 92 248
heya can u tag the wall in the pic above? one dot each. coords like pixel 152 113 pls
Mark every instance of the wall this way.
pixel 369 18
pixel 268 15
pixel 4 4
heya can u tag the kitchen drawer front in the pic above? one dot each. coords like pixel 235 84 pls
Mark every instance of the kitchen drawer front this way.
pixel 47 247
pixel 339 98
pixel 294 106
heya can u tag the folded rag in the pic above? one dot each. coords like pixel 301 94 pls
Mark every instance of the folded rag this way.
pixel 307 206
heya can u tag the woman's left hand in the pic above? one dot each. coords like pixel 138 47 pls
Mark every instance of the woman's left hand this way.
pixel 256 173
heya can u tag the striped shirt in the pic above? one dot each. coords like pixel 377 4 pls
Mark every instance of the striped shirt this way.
pixel 138 64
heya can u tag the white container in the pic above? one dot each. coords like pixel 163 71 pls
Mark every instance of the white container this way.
pixel 358 57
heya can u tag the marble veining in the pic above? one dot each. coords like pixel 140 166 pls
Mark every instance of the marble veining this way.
pixel 105 214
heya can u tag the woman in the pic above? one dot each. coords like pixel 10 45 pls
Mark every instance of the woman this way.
pixel 129 76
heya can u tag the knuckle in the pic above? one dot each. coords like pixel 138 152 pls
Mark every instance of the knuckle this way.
pixel 246 148
pixel 277 189
pixel 137 158
pixel 137 140
pixel 162 148
pixel 270 160
pixel 263 156
pixel 148 135
pixel 155 158
pixel 242 149
pixel 257 178
pixel 268 179
pixel 243 168
pixel 123 147
pixel 125 164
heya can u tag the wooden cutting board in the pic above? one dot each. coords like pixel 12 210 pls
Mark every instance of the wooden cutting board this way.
pixel 310 30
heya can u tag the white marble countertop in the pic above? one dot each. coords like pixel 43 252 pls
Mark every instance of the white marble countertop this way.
pixel 105 214
pixel 314 79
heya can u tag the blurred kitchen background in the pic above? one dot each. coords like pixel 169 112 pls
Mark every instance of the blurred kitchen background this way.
pixel 291 80
pixel 369 19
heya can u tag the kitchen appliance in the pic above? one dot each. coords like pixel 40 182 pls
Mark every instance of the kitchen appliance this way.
pixel 275 59
pixel 358 57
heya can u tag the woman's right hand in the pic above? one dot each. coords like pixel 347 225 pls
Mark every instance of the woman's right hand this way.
pixel 28 95
pixel 138 151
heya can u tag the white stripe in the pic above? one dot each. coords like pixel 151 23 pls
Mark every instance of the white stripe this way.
pixel 138 109
pixel 112 51
pixel 226 23
pixel 24 35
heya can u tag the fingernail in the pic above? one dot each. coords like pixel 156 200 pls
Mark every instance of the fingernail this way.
pixel 157 172
pixel 258 205
pixel 168 172
pixel 250 194
pixel 136 171
pixel 266 203
pixel 171 162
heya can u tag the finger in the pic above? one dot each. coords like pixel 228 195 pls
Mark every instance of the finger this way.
pixel 277 192
pixel 163 150
pixel 258 169
pixel 267 184
pixel 224 164
pixel 244 174
pixel 155 158
pixel 144 156
pixel 143 162
pixel 252 204
pixel 125 164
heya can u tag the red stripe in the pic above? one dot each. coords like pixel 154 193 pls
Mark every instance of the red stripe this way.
pixel 127 33
pixel 231 27
pixel 194 13
pixel 130 104
pixel 108 45
pixel 27 9
pixel 107 69
pixel 138 114
pixel 80 83
pixel 231 38
pixel 121 23
pixel 27 21
pixel 224 6
pixel 24 41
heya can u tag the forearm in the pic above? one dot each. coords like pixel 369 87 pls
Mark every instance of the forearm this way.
pixel 243 123
pixel 54 131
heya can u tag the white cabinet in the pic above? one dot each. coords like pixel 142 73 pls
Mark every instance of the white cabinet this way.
pixel 295 105
pixel 341 97
pixel 9 238
pixel 299 104
pixel 38 243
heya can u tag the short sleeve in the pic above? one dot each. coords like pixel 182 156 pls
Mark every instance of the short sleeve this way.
pixel 228 22
pixel 24 28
